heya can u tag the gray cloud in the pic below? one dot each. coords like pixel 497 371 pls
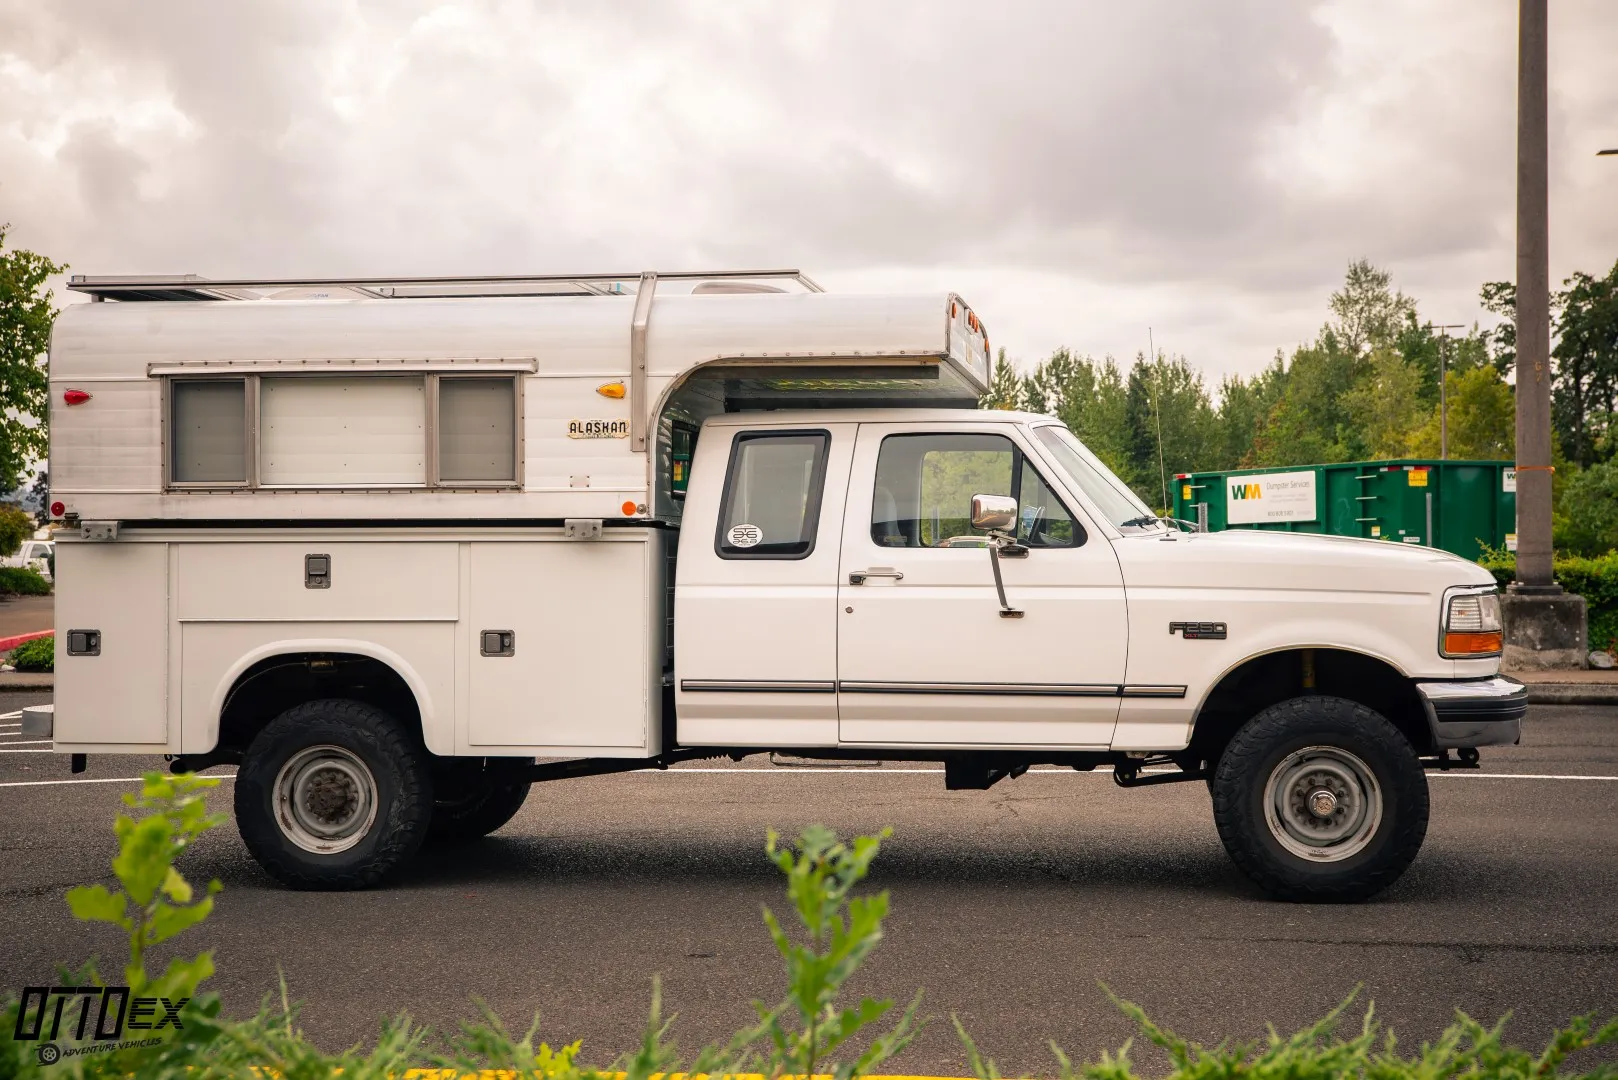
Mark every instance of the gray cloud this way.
pixel 1081 171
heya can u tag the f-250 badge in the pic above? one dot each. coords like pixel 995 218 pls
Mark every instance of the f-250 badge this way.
pixel 1212 631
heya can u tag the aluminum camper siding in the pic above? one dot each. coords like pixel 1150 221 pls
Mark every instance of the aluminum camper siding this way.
pixel 108 454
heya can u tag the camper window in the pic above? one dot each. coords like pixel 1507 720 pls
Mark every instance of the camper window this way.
pixel 208 421
pixel 323 431
pixel 477 430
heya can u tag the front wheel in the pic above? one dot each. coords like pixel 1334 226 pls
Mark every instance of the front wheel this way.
pixel 333 794
pixel 1320 799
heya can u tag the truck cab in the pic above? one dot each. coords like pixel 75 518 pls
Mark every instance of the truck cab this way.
pixel 385 547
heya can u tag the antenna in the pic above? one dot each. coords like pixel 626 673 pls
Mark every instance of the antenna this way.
pixel 1157 411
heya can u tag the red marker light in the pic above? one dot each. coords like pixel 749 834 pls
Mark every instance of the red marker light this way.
pixel 58 509
pixel 75 397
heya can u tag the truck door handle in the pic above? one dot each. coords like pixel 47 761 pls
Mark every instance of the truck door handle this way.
pixel 857 577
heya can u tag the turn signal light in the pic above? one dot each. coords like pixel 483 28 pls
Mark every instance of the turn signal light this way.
pixel 1481 644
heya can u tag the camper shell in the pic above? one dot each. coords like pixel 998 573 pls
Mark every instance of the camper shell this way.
pixel 385 544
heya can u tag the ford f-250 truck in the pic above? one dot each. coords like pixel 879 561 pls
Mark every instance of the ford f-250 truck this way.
pixel 382 544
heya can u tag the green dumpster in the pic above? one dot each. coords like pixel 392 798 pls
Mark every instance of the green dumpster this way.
pixel 1458 506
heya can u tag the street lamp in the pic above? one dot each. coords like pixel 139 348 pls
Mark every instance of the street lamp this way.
pixel 1443 390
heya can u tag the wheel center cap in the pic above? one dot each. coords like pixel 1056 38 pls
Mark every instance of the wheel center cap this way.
pixel 1322 803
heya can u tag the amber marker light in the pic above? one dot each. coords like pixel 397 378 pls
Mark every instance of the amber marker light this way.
pixel 612 389
pixel 1484 644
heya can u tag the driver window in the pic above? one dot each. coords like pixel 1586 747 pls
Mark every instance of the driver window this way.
pixel 925 484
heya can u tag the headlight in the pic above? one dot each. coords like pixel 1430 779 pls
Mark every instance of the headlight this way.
pixel 1471 624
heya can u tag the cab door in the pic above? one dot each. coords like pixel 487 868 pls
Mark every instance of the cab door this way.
pixel 924 654
pixel 755 627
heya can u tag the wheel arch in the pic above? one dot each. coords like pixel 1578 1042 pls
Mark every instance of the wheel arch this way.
pixel 1266 678
pixel 287 672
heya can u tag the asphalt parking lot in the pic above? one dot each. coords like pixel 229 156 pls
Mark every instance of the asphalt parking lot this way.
pixel 1010 906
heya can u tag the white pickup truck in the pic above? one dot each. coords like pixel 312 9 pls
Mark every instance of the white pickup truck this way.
pixel 382 544
pixel 37 555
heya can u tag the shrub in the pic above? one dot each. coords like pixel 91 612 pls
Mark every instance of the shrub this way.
pixel 1588 522
pixel 21 581
pixel 793 1038
pixel 1595 579
pixel 36 655
pixel 15 527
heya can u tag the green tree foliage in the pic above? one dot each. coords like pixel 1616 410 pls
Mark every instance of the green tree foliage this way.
pixel 1005 386
pixel 1500 297
pixel 1482 419
pixel 26 315
pixel 1584 386
pixel 1171 424
pixel 1311 422
pixel 1387 403
pixel 1588 521
pixel 1089 397
pixel 15 527
pixel 1365 388
pixel 1370 312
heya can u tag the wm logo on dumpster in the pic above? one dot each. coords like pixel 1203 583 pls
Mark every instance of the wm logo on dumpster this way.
pixel 1246 491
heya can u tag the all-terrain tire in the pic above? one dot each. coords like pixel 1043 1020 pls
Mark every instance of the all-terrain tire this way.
pixel 1266 827
pixel 315 759
pixel 475 806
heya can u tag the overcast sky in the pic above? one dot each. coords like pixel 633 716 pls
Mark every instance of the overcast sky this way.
pixel 1079 171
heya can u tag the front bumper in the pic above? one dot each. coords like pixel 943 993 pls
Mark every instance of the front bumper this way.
pixel 1474 712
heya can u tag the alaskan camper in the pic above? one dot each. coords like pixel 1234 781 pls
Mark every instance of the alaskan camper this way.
pixel 386 544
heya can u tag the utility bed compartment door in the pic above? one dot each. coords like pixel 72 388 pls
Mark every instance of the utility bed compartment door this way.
pixel 560 646
pixel 119 695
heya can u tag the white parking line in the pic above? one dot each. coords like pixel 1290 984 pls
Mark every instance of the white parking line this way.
pixel 97 780
pixel 30 742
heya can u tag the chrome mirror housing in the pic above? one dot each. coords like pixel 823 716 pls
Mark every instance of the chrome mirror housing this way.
pixel 995 513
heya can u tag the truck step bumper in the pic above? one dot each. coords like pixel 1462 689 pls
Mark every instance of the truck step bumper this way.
pixel 1475 712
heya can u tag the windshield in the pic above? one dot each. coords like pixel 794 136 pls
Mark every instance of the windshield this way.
pixel 1110 495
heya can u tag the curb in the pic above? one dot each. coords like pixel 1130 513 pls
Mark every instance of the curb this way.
pixel 27 680
pixel 1573 693
pixel 9 643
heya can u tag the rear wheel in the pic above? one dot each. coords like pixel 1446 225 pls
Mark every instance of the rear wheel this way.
pixel 1321 799
pixel 333 794
pixel 474 798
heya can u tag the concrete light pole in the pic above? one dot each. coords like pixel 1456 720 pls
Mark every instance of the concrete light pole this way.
pixel 1544 627
pixel 1533 308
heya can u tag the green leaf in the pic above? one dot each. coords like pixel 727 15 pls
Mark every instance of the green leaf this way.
pixel 93 903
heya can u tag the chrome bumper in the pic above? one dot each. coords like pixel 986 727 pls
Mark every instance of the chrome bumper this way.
pixel 1475 712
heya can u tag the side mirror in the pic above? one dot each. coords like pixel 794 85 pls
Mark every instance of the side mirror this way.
pixel 995 513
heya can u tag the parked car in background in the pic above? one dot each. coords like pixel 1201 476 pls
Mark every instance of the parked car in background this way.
pixel 38 555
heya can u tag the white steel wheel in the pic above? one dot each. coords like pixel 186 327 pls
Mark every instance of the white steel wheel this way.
pixel 1323 803
pixel 325 799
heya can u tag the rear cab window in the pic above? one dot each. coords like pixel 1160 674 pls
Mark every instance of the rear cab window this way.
pixel 773 489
